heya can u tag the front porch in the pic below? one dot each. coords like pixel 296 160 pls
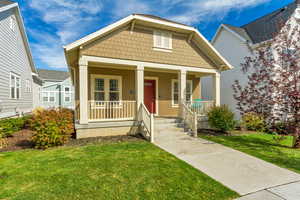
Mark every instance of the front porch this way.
pixel 113 91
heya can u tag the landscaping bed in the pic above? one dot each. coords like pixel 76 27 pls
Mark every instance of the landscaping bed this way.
pixel 122 170
pixel 19 140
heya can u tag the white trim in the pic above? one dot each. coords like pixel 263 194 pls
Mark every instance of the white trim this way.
pixel 162 49
pixel 67 93
pixel 222 26
pixel 48 96
pixel 148 64
pixel 162 35
pixel 172 91
pixel 127 20
pixel 156 79
pixel 106 85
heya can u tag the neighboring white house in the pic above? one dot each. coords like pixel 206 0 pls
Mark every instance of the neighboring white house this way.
pixel 236 43
pixel 17 71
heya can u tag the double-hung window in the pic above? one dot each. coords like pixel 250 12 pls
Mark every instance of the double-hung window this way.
pixel 49 96
pixel 106 88
pixel 162 40
pixel 67 94
pixel 175 91
pixel 15 86
pixel 28 87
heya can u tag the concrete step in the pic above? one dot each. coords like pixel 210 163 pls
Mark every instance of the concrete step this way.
pixel 165 120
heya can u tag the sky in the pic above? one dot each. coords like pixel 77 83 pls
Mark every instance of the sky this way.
pixel 50 24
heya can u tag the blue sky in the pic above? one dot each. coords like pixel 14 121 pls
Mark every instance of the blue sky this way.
pixel 50 24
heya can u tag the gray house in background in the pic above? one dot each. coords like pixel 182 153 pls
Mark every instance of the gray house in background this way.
pixel 18 81
pixel 57 89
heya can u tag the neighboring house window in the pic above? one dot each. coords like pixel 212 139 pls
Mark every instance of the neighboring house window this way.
pixel 67 92
pixel 162 40
pixel 12 23
pixel 15 86
pixel 106 88
pixel 175 91
pixel 28 86
pixel 48 96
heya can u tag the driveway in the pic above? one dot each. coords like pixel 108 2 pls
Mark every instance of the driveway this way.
pixel 238 171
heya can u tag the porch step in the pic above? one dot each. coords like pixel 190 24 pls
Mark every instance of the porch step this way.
pixel 165 120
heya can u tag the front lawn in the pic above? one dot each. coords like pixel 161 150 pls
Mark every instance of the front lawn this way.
pixel 127 170
pixel 263 146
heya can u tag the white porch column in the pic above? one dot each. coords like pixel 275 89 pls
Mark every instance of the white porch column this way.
pixel 139 85
pixel 181 89
pixel 217 88
pixel 83 91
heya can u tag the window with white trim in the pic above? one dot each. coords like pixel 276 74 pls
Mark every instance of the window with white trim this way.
pixel 15 86
pixel 28 86
pixel 162 40
pixel 48 96
pixel 67 94
pixel 106 88
pixel 175 91
pixel 52 96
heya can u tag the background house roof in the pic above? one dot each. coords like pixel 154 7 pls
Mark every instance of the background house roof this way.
pixel 5 3
pixel 265 27
pixel 55 75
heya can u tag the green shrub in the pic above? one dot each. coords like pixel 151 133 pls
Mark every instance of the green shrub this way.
pixel 220 117
pixel 52 127
pixel 253 122
pixel 9 126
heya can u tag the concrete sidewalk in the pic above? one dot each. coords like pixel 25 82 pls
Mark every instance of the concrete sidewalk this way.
pixel 238 171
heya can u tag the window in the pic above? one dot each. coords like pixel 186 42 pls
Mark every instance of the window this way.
pixel 28 87
pixel 106 88
pixel 15 86
pixel 12 23
pixel 48 96
pixel 175 91
pixel 162 40
pixel 67 94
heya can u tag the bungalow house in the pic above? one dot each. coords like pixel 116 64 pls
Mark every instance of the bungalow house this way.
pixel 18 78
pixel 139 67
pixel 237 42
pixel 56 90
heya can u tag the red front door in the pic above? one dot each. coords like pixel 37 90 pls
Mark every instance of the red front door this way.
pixel 149 95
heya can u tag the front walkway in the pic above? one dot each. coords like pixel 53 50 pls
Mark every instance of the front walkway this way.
pixel 238 171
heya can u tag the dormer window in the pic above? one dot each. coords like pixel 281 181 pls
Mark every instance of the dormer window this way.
pixel 162 40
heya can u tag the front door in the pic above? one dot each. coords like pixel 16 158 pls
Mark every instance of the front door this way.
pixel 150 95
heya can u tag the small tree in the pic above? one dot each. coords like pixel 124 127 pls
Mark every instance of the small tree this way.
pixel 272 89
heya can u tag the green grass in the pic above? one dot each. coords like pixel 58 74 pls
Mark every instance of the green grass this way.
pixel 129 170
pixel 265 147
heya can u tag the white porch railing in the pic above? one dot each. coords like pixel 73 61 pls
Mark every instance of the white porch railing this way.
pixel 146 121
pixel 190 118
pixel 112 110
pixel 201 108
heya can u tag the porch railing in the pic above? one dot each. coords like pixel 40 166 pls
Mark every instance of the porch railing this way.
pixel 112 110
pixel 146 120
pixel 201 108
pixel 190 118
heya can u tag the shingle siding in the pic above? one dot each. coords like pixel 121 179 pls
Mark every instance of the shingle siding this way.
pixel 13 58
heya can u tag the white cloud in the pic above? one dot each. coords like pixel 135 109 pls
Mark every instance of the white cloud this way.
pixel 123 8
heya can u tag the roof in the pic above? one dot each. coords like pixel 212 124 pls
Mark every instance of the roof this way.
pixel 155 21
pixel 54 75
pixel 7 5
pixel 264 28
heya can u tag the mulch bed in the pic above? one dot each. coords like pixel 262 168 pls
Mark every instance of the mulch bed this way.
pixel 22 140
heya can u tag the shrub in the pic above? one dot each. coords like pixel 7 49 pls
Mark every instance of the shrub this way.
pixel 9 126
pixel 51 127
pixel 253 122
pixel 220 117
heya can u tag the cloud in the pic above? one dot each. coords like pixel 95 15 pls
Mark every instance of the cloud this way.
pixel 123 8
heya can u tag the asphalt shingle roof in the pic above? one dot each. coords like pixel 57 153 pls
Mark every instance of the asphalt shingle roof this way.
pixel 45 74
pixel 159 18
pixel 265 27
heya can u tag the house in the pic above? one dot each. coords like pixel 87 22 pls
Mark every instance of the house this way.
pixel 18 79
pixel 236 43
pixel 136 68
pixel 57 89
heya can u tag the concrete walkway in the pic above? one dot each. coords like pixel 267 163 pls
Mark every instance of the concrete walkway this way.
pixel 238 171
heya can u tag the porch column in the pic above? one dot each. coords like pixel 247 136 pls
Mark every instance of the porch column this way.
pixel 139 85
pixel 181 89
pixel 83 91
pixel 216 88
